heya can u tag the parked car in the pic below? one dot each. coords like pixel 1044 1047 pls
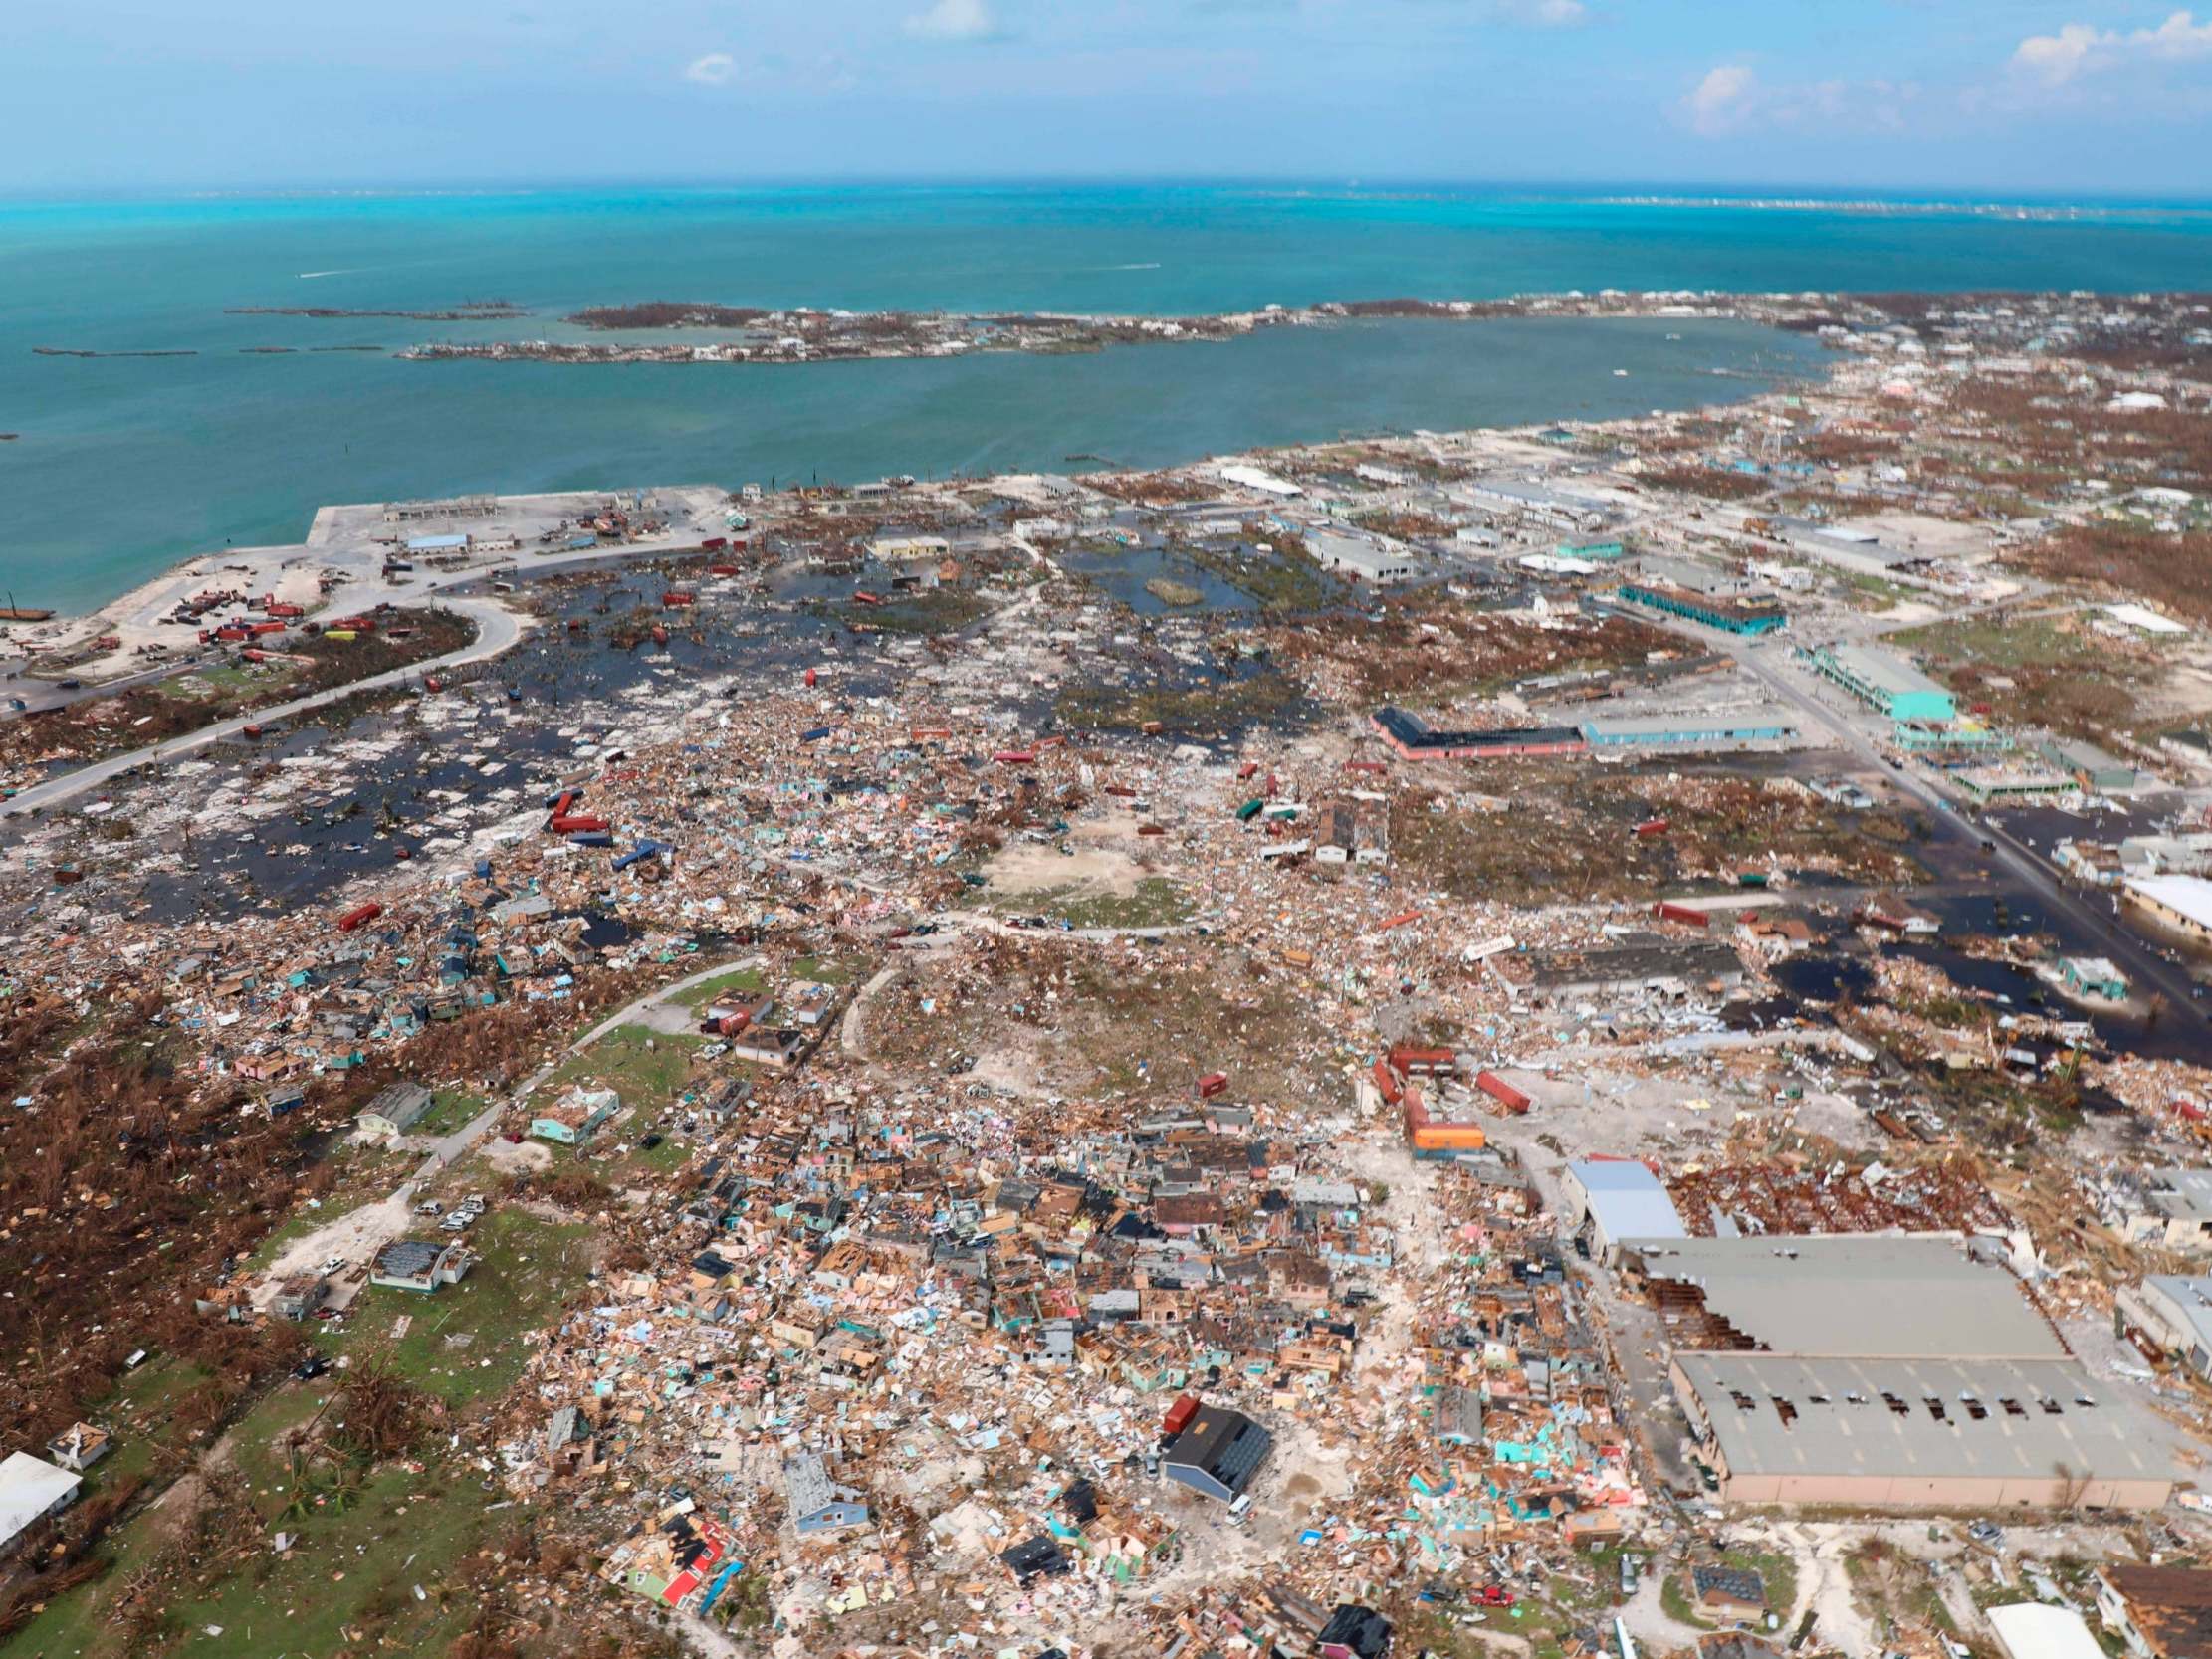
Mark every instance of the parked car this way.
pixel 313 1366
pixel 337 1264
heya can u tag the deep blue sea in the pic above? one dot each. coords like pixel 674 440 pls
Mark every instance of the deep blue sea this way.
pixel 124 465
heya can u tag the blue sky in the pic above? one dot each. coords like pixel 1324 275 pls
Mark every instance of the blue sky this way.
pixel 2022 97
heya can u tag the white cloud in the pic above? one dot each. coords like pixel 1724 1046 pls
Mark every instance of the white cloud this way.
pixel 1732 99
pixel 715 68
pixel 2080 49
pixel 1723 101
pixel 955 20
pixel 1545 14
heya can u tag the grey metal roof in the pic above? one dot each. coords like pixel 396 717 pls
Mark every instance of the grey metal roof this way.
pixel 1857 1295
pixel 401 1103
pixel 408 1258
pixel 1778 1415
pixel 1227 1444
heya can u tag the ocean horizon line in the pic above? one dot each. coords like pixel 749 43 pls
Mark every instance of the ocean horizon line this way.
pixel 1778 195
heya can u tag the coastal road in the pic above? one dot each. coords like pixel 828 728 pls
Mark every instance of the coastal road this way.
pixel 498 628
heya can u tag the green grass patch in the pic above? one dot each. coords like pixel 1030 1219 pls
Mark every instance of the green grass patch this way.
pixel 464 1342
pixel 669 1155
pixel 822 971
pixel 1777 1571
pixel 449 1110
pixel 354 1567
pixel 641 1065
pixel 2034 643
pixel 749 980
pixel 1156 903
pixel 350 1577
pixel 1673 1597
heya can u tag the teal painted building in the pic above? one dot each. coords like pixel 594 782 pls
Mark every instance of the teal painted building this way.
pixel 1882 681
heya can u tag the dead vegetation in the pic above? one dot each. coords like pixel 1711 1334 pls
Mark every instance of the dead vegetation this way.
pixel 1713 482
pixel 1423 653
pixel 1587 846
pixel 2173 572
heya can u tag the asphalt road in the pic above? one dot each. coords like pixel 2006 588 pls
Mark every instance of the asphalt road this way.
pixel 2144 967
pixel 498 628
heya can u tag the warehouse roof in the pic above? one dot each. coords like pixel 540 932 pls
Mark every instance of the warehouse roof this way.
pixel 1884 669
pixel 1857 1294
pixel 1994 1419
pixel 2190 896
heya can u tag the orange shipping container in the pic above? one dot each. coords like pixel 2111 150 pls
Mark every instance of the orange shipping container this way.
pixel 1448 1138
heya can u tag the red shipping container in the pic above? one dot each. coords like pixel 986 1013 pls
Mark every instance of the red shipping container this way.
pixel 359 916
pixel 1502 1091
pixel 1652 826
pixel 1667 911
pixel 1015 757
pixel 1415 1062
pixel 1180 1414
pixel 1211 1084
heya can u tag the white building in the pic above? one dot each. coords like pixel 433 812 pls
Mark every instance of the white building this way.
pixel 31 1489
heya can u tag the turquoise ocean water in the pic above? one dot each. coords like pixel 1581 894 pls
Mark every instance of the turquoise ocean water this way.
pixel 124 465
